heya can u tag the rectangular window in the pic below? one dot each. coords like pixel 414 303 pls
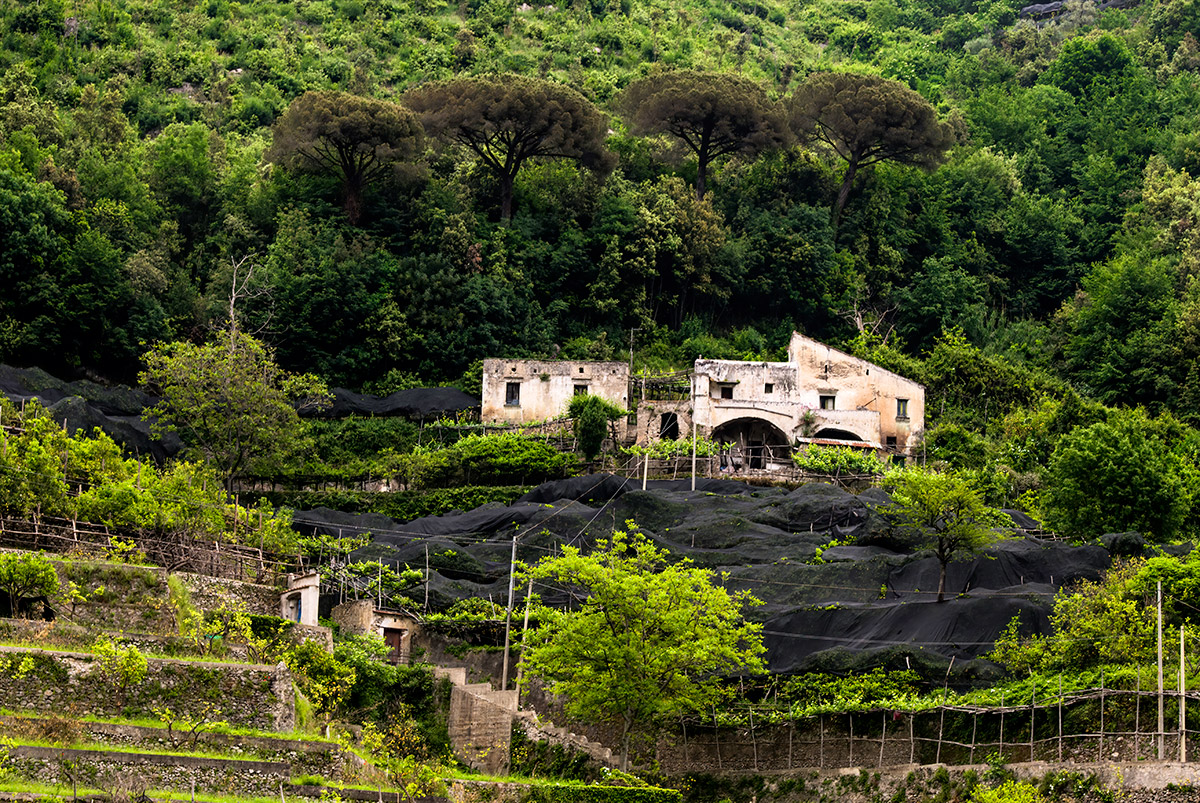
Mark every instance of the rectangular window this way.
pixel 726 391
pixel 581 390
pixel 770 388
pixel 512 394
pixel 901 408
pixel 891 441
pixel 827 402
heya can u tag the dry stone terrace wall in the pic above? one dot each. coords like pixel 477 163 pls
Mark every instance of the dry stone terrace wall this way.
pixel 53 765
pixel 328 759
pixel 71 683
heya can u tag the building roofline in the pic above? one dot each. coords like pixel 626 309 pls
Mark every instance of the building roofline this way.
pixel 847 355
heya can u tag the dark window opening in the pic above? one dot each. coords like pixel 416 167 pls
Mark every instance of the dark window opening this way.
pixel 512 394
pixel 726 391
pixel 581 390
pixel 901 408
pixel 827 402
pixel 668 427
pixel 770 388
pixel 581 369
pixel 891 441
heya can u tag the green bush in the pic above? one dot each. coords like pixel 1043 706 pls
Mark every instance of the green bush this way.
pixel 838 460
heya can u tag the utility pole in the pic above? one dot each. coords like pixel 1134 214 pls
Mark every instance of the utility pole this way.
pixel 1162 751
pixel 512 570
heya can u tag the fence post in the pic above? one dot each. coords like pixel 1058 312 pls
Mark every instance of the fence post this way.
pixel 821 758
pixel 753 740
pixel 1137 719
pixel 882 738
pixel 850 760
pixel 791 733
pixel 1060 717
pixel 1001 724
pixel 912 739
pixel 1100 757
pixel 717 738
pixel 974 731
pixel 1032 714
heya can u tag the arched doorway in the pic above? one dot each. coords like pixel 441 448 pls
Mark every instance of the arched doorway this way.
pixel 759 443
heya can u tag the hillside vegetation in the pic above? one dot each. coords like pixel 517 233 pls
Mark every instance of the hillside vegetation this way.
pixel 1058 230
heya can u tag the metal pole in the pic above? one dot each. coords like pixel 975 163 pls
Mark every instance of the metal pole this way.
pixel 1162 752
pixel 524 627
pixel 693 431
pixel 512 569
pixel 1182 709
pixel 646 466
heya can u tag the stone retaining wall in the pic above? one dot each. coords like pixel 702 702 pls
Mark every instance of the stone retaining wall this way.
pixel 72 683
pixel 328 759
pixel 141 771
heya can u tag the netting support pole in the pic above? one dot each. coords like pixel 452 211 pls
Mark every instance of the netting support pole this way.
pixel 912 739
pixel 882 738
pixel 821 758
pixel 1060 717
pixel 850 742
pixel 1002 724
pixel 1137 719
pixel 1032 714
pixel 1101 756
pixel 974 731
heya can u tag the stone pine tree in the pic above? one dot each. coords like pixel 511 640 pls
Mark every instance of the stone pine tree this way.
pixel 865 120
pixel 360 140
pixel 506 120
pixel 711 114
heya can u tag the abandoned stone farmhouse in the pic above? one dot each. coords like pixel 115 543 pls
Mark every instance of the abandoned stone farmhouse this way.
pixel 762 409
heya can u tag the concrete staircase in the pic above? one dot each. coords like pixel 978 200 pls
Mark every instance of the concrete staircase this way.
pixel 481 721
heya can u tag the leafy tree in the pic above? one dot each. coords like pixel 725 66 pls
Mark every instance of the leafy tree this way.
pixel 506 120
pixel 865 120
pixel 591 415
pixel 119 667
pixel 229 402
pixel 325 680
pixel 1120 475
pixel 712 114
pixel 648 643
pixel 950 515
pixel 24 575
pixel 1110 621
pixel 361 139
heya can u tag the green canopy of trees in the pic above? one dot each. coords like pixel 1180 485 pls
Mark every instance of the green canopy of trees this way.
pixel 650 640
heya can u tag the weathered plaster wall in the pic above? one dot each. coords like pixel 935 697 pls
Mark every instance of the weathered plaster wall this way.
pixel 857 385
pixel 547 387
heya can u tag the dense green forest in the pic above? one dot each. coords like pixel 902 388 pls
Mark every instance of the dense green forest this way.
pixel 1057 230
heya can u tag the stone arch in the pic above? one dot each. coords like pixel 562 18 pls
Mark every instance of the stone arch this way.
pixel 758 440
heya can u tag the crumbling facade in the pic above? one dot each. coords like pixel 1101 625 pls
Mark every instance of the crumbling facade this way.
pixel 528 391
pixel 760 410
